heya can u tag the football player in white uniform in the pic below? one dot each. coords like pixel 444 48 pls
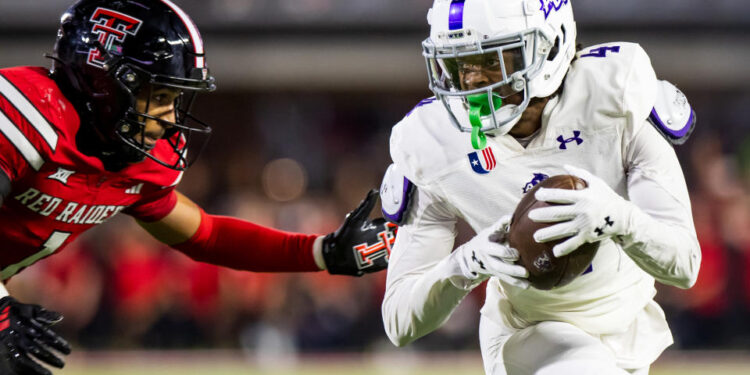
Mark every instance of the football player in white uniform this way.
pixel 515 102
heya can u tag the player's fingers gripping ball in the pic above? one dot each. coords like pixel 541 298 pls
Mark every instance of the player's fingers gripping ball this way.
pixel 588 215
pixel 546 271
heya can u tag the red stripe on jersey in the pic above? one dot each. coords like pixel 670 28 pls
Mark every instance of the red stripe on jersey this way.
pixel 28 110
pixel 489 158
pixel 4 320
pixel 19 139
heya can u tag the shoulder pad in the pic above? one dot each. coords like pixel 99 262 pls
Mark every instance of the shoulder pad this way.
pixel 395 195
pixel 672 115
pixel 619 80
pixel 425 142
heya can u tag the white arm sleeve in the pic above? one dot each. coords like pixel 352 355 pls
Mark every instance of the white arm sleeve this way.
pixel 661 238
pixel 423 285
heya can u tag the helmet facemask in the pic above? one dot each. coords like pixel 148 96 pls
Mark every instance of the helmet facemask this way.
pixel 465 77
pixel 110 52
pixel 533 41
pixel 184 131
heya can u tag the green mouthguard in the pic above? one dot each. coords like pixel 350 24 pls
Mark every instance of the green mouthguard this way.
pixel 479 106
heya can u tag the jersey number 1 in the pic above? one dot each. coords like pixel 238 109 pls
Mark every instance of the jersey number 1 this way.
pixel 54 241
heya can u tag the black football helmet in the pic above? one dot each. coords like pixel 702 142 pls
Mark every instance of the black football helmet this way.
pixel 109 51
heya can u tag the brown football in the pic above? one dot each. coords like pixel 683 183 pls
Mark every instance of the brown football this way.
pixel 546 271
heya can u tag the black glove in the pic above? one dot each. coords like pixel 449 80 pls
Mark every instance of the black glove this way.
pixel 360 245
pixel 25 329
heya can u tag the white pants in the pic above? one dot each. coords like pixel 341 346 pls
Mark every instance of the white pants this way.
pixel 561 348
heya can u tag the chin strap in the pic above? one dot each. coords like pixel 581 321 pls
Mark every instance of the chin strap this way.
pixel 479 106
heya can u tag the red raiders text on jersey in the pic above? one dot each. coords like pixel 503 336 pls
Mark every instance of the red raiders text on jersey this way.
pixel 57 191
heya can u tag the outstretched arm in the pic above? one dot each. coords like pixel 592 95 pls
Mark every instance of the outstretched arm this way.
pixel 240 244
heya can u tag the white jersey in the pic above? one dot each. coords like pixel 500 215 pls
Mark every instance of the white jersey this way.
pixel 593 124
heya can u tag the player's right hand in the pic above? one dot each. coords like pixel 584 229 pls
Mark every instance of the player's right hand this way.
pixel 25 335
pixel 488 255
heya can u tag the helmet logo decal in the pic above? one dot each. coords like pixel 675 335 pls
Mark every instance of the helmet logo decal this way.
pixel 111 28
pixel 456 15
pixel 549 5
pixel 489 161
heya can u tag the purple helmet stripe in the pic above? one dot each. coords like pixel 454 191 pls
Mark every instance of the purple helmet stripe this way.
pixel 456 15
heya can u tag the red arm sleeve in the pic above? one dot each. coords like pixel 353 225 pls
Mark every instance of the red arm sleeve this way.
pixel 242 245
pixel 155 206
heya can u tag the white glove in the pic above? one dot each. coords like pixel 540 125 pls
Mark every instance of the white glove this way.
pixel 588 215
pixel 481 258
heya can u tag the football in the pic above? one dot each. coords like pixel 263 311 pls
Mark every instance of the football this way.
pixel 545 270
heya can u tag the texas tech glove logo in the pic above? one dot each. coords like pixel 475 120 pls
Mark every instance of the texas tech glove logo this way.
pixel 360 245
pixel 111 28
pixel 381 249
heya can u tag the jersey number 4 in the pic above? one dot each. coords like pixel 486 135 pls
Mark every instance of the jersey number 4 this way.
pixel 54 241
pixel 602 51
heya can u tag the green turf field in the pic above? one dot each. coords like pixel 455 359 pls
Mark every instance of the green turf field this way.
pixel 391 363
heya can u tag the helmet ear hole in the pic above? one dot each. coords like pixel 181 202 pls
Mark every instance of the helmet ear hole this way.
pixel 555 49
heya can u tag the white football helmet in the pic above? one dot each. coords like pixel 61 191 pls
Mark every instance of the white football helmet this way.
pixel 517 46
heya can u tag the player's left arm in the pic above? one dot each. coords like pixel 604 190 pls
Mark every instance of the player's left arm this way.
pixel 661 238
pixel 654 227
pixel 240 244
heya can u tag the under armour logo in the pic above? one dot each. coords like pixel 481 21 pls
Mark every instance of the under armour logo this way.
pixel 602 51
pixel 607 222
pixel 564 141
pixel 476 260
pixel 62 175
pixel 135 189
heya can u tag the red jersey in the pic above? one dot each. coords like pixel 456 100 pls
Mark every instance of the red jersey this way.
pixel 57 192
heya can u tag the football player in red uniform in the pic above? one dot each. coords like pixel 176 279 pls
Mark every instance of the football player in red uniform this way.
pixel 108 130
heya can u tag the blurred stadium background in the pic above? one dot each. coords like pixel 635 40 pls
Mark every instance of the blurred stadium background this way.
pixel 307 93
